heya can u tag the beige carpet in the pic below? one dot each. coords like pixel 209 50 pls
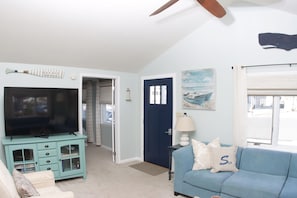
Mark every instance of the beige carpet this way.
pixel 108 180
pixel 149 168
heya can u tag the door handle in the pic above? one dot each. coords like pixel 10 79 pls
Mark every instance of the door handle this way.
pixel 169 132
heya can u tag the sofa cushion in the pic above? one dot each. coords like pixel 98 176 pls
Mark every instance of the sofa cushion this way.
pixel 293 166
pixel 206 180
pixel 289 190
pixel 265 161
pixel 7 186
pixel 202 153
pixel 48 190
pixel 53 192
pixel 247 184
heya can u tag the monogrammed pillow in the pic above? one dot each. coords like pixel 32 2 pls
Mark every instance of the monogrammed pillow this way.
pixel 202 158
pixel 223 159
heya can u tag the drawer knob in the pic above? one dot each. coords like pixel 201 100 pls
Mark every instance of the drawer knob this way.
pixel 46 146
pixel 47 154
pixel 48 161
pixel 48 168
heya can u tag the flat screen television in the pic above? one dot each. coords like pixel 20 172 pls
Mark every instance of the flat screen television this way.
pixel 38 112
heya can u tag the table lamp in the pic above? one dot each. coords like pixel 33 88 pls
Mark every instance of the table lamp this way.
pixel 184 124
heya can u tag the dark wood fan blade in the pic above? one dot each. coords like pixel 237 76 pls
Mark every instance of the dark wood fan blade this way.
pixel 164 7
pixel 213 7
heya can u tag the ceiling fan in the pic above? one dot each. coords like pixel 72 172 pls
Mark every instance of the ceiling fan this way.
pixel 211 5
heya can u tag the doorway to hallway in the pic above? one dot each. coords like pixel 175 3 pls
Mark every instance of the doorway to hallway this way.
pixel 98 104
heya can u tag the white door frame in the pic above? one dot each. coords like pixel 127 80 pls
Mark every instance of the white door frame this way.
pixel 115 123
pixel 143 78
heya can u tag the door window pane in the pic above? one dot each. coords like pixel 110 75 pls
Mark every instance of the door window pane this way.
pixel 152 94
pixel 158 94
pixel 164 94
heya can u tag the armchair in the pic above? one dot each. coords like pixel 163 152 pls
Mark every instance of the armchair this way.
pixel 43 181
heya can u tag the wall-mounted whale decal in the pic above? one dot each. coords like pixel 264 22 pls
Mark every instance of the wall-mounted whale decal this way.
pixel 278 40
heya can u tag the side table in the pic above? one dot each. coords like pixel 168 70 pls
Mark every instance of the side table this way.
pixel 171 149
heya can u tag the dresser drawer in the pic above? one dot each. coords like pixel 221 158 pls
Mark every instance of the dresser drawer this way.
pixel 47 153
pixel 53 167
pixel 47 160
pixel 48 145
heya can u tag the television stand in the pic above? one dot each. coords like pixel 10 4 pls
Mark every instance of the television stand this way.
pixel 63 154
pixel 72 133
pixel 42 136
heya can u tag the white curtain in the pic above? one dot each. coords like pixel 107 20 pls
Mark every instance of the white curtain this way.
pixel 93 112
pixel 98 114
pixel 240 106
pixel 89 112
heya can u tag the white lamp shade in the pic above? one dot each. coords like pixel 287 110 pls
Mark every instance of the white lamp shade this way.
pixel 184 124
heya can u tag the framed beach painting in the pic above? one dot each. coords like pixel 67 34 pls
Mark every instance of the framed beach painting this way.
pixel 199 89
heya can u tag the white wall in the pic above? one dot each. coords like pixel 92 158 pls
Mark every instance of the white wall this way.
pixel 220 44
pixel 128 111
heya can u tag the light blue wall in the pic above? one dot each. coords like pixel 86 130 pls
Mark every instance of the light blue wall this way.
pixel 128 111
pixel 220 44
pixel 217 44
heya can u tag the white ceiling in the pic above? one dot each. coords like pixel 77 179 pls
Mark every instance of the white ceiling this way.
pixel 105 34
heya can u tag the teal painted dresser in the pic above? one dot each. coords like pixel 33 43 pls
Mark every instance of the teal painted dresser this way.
pixel 63 154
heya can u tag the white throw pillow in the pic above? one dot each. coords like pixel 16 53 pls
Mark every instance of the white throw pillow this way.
pixel 202 158
pixel 224 159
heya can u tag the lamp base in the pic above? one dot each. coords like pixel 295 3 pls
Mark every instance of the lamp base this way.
pixel 184 139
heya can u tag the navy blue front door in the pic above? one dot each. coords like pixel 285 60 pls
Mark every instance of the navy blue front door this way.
pixel 157 120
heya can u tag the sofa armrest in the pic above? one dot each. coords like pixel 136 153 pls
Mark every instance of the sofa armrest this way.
pixel 183 162
pixel 41 179
pixel 66 194
pixel 183 159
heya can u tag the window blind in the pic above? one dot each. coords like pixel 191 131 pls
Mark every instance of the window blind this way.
pixel 272 81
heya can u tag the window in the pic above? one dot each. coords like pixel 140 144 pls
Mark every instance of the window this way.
pixel 265 105
pixel 158 94
pixel 272 120
pixel 106 113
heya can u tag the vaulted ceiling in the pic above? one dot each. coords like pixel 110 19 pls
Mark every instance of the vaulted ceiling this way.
pixel 104 34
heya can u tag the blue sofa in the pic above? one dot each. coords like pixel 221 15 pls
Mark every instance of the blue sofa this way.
pixel 262 174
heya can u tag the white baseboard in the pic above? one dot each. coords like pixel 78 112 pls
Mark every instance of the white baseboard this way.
pixel 106 147
pixel 137 159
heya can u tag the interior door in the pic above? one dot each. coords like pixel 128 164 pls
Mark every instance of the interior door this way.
pixel 157 120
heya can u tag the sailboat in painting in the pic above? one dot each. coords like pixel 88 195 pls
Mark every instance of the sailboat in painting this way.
pixel 197 98
pixel 199 89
